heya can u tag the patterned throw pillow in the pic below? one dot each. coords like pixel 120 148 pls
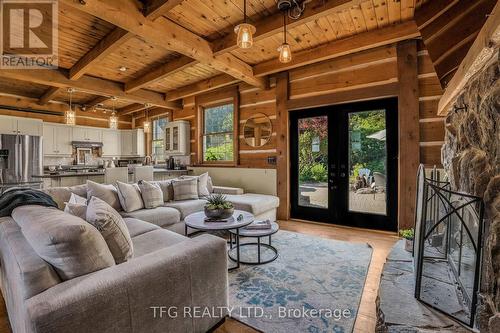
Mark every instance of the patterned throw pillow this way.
pixel 166 188
pixel 203 186
pixel 130 197
pixel 185 189
pixel 152 194
pixel 112 228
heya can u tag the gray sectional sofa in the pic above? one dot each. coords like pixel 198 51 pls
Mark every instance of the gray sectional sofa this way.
pixel 167 270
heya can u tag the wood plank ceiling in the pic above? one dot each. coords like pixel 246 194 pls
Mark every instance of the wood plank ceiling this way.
pixel 92 46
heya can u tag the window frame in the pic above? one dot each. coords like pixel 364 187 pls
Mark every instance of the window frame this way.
pixel 167 118
pixel 211 101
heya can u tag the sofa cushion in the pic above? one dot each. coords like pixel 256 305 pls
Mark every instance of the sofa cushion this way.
pixel 21 264
pixel 166 188
pixel 185 189
pixel 151 193
pixel 160 216
pixel 107 193
pixel 138 227
pixel 130 196
pixel 112 227
pixel 71 245
pixel 254 203
pixel 155 240
pixel 63 194
pixel 186 207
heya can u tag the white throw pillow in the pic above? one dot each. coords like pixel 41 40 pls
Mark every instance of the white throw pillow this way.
pixel 107 193
pixel 185 189
pixel 210 185
pixel 76 206
pixel 112 228
pixel 152 194
pixel 130 197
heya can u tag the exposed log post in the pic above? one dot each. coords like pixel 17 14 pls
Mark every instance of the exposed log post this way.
pixel 282 146
pixel 409 132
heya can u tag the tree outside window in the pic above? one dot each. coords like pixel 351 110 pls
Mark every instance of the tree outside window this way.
pixel 158 143
pixel 218 133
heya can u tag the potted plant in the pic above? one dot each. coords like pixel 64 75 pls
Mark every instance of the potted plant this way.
pixel 408 235
pixel 218 207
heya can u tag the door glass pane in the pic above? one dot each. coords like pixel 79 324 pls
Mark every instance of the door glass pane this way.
pixel 367 162
pixel 313 162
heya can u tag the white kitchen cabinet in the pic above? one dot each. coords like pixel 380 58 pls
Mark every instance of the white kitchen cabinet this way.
pixel 111 143
pixel 18 125
pixel 57 140
pixel 81 133
pixel 132 142
pixel 177 138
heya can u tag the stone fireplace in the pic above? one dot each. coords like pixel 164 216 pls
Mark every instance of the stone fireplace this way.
pixel 471 157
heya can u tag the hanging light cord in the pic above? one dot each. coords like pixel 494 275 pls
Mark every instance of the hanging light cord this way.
pixel 244 11
pixel 284 27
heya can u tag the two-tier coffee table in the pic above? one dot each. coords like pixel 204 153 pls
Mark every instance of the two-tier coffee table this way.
pixel 256 233
pixel 197 221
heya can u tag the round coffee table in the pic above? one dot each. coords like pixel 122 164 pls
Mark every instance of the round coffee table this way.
pixel 255 233
pixel 197 221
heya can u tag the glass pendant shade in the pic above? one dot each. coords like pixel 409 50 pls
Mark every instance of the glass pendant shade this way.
pixel 113 121
pixel 70 117
pixel 244 32
pixel 285 53
pixel 147 126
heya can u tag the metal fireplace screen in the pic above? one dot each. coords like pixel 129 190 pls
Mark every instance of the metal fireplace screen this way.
pixel 448 240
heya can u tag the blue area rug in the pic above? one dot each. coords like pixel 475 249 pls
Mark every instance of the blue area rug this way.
pixel 314 286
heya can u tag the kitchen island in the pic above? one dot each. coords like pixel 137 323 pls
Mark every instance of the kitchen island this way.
pixel 72 178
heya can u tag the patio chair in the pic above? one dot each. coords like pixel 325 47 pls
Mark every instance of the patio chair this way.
pixel 380 182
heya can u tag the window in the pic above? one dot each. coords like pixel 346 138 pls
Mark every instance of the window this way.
pixel 158 146
pixel 218 133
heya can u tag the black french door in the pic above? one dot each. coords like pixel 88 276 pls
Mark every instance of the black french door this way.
pixel 344 164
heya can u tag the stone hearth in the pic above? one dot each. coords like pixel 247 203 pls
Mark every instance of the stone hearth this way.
pixel 471 157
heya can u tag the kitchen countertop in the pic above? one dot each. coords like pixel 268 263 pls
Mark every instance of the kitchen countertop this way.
pixel 99 173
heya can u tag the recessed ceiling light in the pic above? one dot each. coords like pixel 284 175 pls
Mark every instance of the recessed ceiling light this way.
pixel 122 69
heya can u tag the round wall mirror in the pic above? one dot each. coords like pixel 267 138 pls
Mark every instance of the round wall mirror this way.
pixel 257 130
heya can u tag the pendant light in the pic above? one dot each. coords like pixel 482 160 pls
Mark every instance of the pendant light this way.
pixel 244 31
pixel 147 125
pixel 113 119
pixel 70 115
pixel 284 49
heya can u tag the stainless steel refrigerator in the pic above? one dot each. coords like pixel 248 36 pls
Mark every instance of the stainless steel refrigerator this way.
pixel 20 158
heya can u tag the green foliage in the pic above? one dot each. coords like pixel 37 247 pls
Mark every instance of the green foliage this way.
pixel 407 233
pixel 223 152
pixel 312 165
pixel 218 201
pixel 372 153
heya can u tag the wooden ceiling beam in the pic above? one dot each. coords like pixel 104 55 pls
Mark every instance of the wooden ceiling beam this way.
pixel 341 47
pixel 273 24
pixel 203 86
pixel 48 95
pixel 96 101
pixel 160 73
pixel 157 8
pixel 167 34
pixel 88 84
pixel 484 48
pixel 132 108
pixel 116 38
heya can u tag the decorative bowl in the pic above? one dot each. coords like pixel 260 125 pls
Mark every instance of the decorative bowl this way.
pixel 219 213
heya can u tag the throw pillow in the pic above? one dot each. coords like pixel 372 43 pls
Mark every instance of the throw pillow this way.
pixel 202 183
pixel 72 246
pixel 107 193
pixel 167 189
pixel 185 189
pixel 130 196
pixel 75 209
pixel 210 185
pixel 76 199
pixel 152 194
pixel 112 227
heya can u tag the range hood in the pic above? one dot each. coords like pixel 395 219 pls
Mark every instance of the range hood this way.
pixel 86 144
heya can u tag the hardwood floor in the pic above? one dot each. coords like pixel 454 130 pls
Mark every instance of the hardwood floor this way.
pixel 380 241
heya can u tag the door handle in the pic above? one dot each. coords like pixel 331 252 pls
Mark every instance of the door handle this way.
pixel 342 174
